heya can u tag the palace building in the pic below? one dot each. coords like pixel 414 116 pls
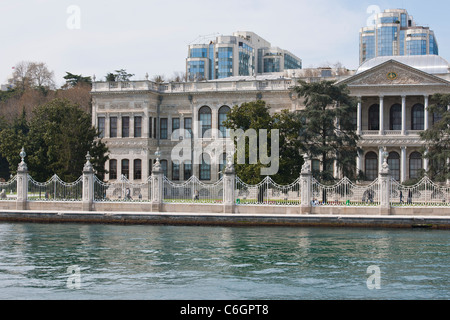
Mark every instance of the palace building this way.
pixel 137 118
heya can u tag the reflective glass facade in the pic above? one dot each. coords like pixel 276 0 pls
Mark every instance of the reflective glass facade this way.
pixel 225 62
pixel 246 60
pixel 395 33
pixel 242 54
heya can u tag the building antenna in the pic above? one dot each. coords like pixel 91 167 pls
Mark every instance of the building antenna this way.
pixel 204 38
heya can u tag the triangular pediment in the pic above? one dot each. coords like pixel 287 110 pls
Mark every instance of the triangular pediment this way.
pixel 393 73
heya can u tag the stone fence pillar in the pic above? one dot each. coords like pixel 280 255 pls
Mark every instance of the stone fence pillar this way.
pixel 305 187
pixel 229 181
pixel 22 183
pixel 385 186
pixel 157 181
pixel 88 185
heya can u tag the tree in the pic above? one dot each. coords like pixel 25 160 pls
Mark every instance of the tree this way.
pixel 256 115
pixel 437 138
pixel 28 75
pixel 12 138
pixel 56 140
pixel 73 80
pixel 119 75
pixel 329 133
pixel 158 79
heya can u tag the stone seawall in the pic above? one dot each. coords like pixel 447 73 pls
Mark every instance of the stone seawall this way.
pixel 221 219
pixel 216 214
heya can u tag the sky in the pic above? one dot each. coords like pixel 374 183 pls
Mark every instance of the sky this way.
pixel 96 37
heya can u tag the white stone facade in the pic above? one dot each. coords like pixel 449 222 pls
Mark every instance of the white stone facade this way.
pixel 388 84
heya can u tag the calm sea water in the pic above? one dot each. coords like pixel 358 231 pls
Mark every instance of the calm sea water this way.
pixel 76 261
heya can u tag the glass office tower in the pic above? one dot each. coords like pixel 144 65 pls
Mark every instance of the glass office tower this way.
pixel 394 33
pixel 242 54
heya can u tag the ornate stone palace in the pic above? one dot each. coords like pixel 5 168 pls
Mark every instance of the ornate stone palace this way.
pixel 138 117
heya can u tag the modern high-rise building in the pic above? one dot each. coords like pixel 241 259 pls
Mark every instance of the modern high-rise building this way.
pixel 242 54
pixel 394 33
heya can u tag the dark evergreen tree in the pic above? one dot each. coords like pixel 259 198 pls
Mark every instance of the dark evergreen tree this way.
pixel 329 129
pixel 437 138
pixel 56 140
pixel 256 115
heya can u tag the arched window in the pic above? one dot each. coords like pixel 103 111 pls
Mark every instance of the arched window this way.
pixel 126 168
pixel 395 117
pixel 374 117
pixel 204 116
pixel 417 117
pixel 394 165
pixel 371 166
pixel 415 165
pixel 223 113
pixel 137 169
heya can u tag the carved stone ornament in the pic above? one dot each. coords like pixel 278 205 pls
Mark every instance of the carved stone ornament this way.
pixel 88 165
pixel 306 168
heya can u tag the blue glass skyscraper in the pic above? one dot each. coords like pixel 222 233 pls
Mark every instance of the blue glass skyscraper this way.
pixel 394 33
pixel 242 54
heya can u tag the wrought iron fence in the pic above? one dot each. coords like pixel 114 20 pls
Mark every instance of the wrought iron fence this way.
pixel 8 189
pixel 345 193
pixel 267 192
pixel 55 190
pixel 193 191
pixel 122 190
pixel 424 193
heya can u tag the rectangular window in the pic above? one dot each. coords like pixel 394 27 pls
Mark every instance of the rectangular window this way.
pixel 164 166
pixel 187 170
pixel 175 171
pixel 188 127
pixel 175 127
pixel 137 127
pixel 101 127
pixel 125 127
pixel 112 169
pixel 155 123
pixel 113 127
pixel 126 168
pixel 150 166
pixel 163 128
pixel 205 169
pixel 137 169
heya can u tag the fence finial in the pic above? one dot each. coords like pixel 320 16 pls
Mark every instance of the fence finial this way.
pixel 22 164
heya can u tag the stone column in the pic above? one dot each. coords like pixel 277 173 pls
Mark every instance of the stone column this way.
pixel 403 115
pixel 305 187
pixel 22 183
pixel 358 162
pixel 380 157
pixel 358 119
pixel 88 185
pixel 385 187
pixel 157 179
pixel 229 178
pixel 403 164
pixel 425 161
pixel 381 115
pixel 426 115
